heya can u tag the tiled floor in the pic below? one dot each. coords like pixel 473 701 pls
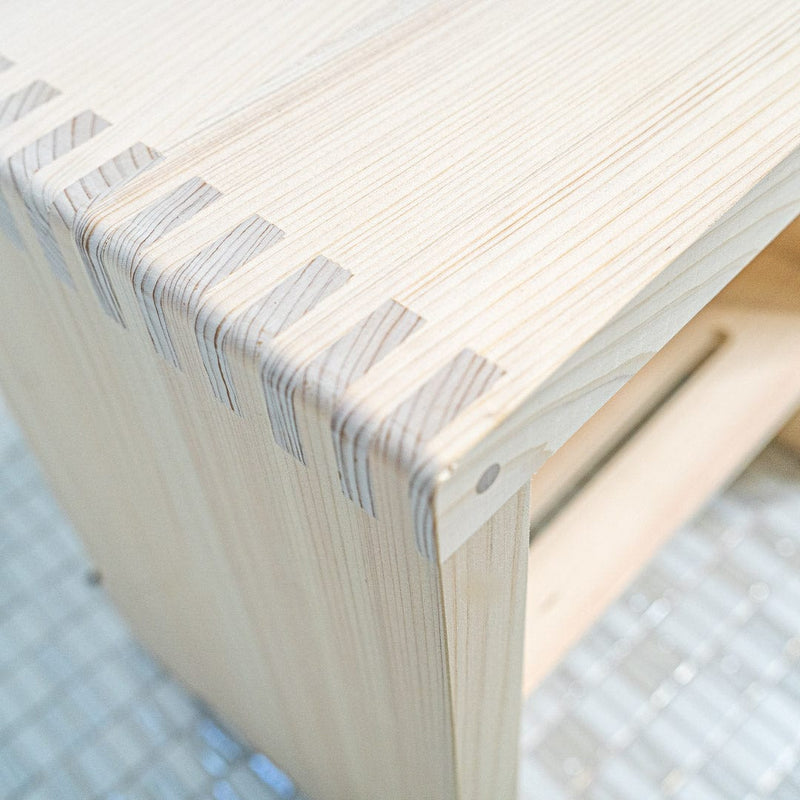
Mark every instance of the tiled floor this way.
pixel 688 687
pixel 84 713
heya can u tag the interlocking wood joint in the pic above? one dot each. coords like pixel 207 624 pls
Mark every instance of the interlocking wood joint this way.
pixel 165 290
pixel 298 297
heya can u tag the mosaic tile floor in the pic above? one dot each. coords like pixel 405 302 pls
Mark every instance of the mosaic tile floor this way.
pixel 688 687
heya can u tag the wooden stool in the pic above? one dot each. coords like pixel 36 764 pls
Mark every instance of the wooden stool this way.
pixel 297 297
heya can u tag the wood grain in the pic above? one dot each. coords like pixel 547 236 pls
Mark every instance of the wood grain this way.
pixel 579 217
pixel 686 425
pixel 415 421
pixel 329 374
pixel 17 104
pixel 113 172
pixel 484 589
pixel 124 245
pixel 411 247
pixel 269 316
pixel 25 163
pixel 184 287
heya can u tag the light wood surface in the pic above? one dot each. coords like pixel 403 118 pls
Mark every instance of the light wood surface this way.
pixel 773 282
pixel 650 458
pixel 319 633
pixel 587 451
pixel 790 435
pixel 483 589
pixel 466 161
pixel 297 296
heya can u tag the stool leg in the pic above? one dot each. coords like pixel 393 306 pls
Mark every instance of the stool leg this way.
pixel 483 586
pixel 320 634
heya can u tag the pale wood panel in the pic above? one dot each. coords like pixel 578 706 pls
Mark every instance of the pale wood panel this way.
pixel 483 587
pixel 790 435
pixel 324 649
pixel 606 362
pixel 411 247
pixel 468 161
pixel 726 413
pixel 649 459
pixel 563 474
pixel 166 80
pixel 17 104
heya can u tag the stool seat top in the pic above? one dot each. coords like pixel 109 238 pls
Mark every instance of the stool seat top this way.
pixel 455 227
